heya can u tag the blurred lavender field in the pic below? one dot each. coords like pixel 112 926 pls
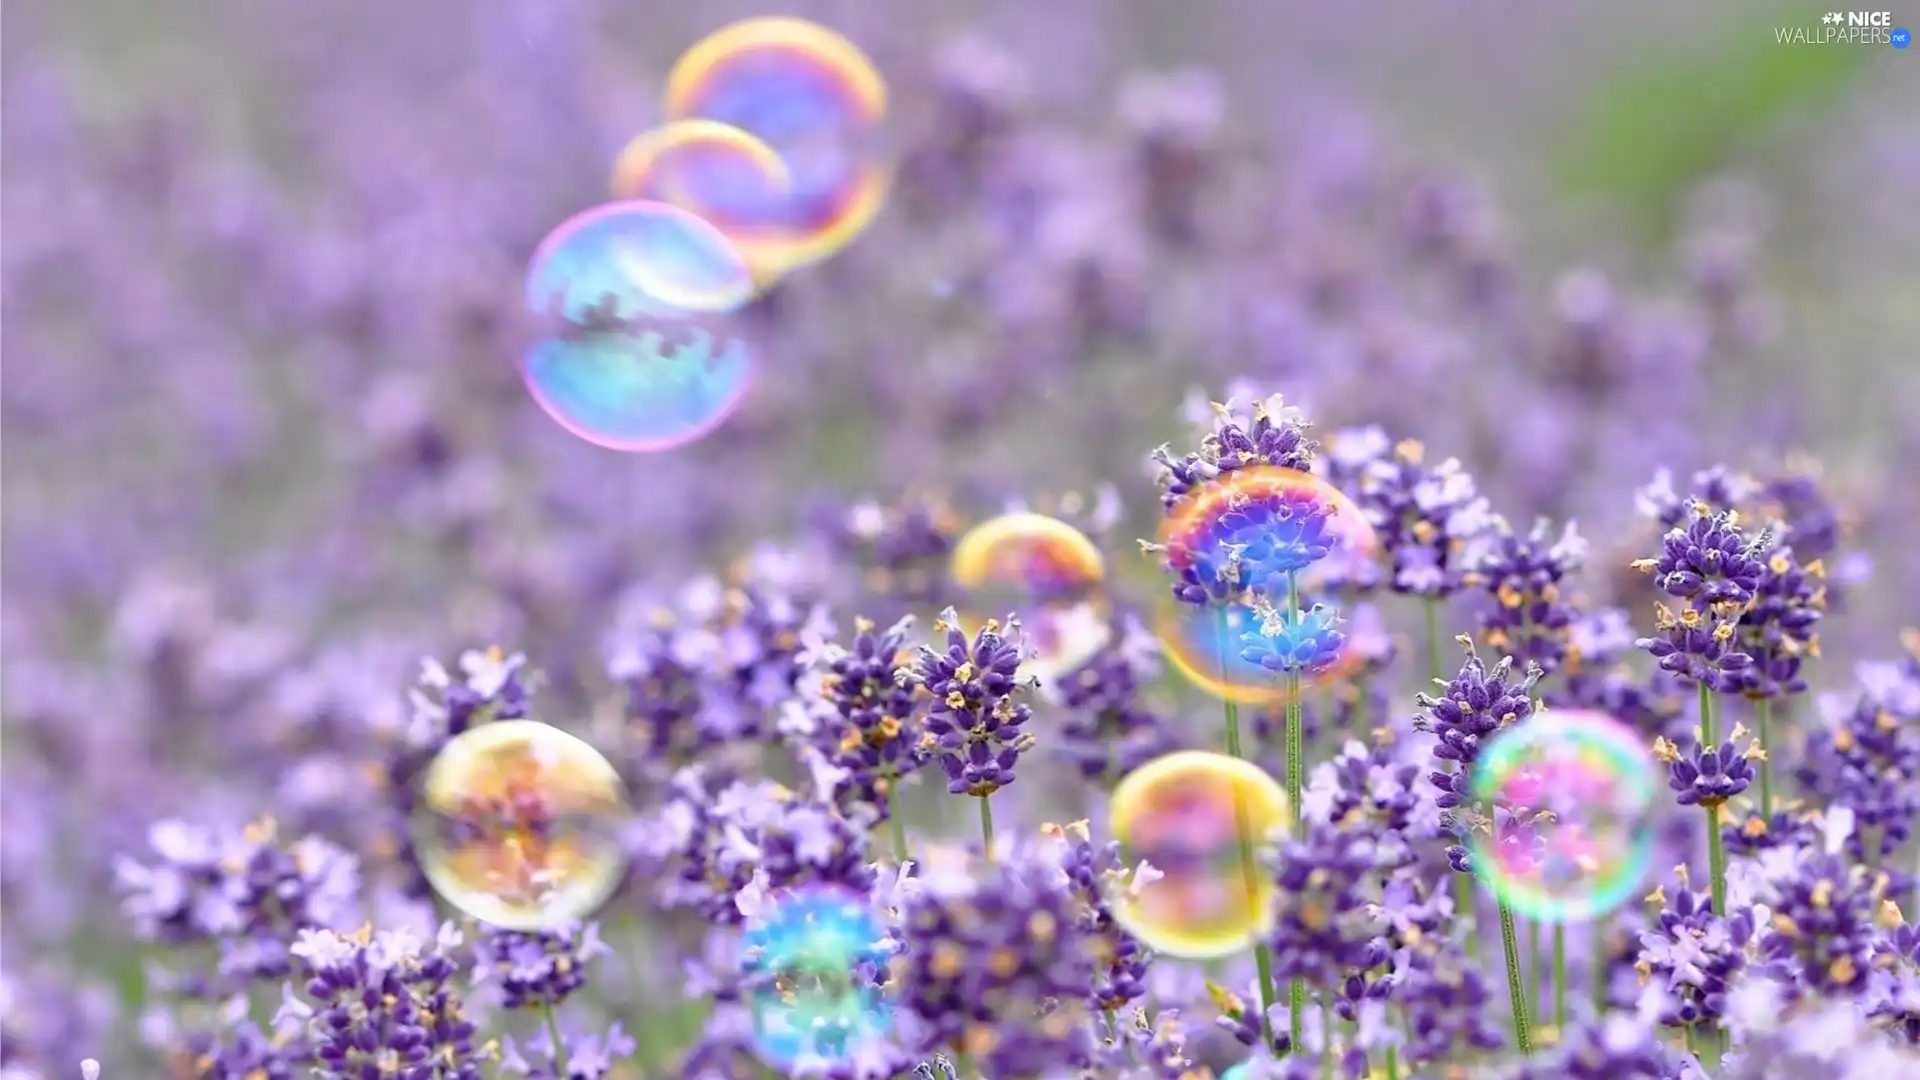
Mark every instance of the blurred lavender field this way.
pixel 266 447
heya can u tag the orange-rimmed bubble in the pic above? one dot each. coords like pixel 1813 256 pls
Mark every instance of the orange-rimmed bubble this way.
pixel 518 825
pixel 818 101
pixel 1244 547
pixel 720 173
pixel 1045 571
pixel 1201 820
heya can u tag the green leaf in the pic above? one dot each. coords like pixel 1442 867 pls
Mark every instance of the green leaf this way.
pixel 1672 117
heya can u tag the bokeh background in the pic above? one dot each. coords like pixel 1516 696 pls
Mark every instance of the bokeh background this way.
pixel 265 444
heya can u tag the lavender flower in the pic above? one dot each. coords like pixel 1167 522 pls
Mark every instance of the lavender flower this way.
pixel 384 1005
pixel 996 966
pixel 975 725
pixel 1471 708
pixel 537 969
pixel 1269 432
pixel 1530 620
pixel 1424 515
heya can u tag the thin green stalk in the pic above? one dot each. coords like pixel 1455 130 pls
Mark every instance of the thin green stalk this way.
pixel 1716 849
pixel 1560 976
pixel 1393 1062
pixel 1763 720
pixel 1709 1049
pixel 1243 832
pixel 1326 1040
pixel 559 1044
pixel 1602 928
pixel 1516 993
pixel 896 823
pixel 1296 993
pixel 986 825
pixel 1535 985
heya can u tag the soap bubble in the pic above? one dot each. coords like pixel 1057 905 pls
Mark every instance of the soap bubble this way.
pixel 1047 572
pixel 814 960
pixel 635 356
pixel 1561 825
pixel 1247 547
pixel 721 174
pixel 1200 819
pixel 818 101
pixel 518 825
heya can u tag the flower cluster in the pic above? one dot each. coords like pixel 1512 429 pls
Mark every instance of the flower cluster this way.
pixel 267 409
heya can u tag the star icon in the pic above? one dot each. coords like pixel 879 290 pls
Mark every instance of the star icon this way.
pixel 1831 18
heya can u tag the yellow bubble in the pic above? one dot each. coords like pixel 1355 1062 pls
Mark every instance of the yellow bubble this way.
pixel 1047 572
pixel 1200 819
pixel 519 824
pixel 818 101
pixel 725 176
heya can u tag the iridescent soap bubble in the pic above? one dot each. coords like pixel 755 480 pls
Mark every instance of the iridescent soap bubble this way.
pixel 635 355
pixel 818 101
pixel 720 173
pixel 1246 546
pixel 1200 819
pixel 814 961
pixel 1562 819
pixel 518 824
pixel 1047 572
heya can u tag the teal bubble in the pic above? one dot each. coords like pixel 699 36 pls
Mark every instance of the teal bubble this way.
pixel 634 392
pixel 637 355
pixel 635 260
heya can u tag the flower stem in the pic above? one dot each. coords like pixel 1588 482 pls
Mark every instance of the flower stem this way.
pixel 1763 720
pixel 1535 984
pixel 1716 850
pixel 1602 945
pixel 986 824
pixel 1516 993
pixel 1296 993
pixel 1560 976
pixel 898 826
pixel 1243 832
pixel 559 1043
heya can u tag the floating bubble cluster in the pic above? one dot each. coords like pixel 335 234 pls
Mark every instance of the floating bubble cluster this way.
pixel 1566 803
pixel 1199 819
pixel 815 959
pixel 1245 548
pixel 818 102
pixel 518 825
pixel 633 361
pixel 768 164
pixel 1047 572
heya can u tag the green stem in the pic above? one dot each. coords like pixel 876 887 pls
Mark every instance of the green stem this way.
pixel 1708 1049
pixel 1535 984
pixel 895 822
pixel 986 824
pixel 1296 993
pixel 1326 1040
pixel 1516 993
pixel 1763 720
pixel 1602 956
pixel 1560 976
pixel 1243 832
pixel 559 1044
pixel 1716 848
